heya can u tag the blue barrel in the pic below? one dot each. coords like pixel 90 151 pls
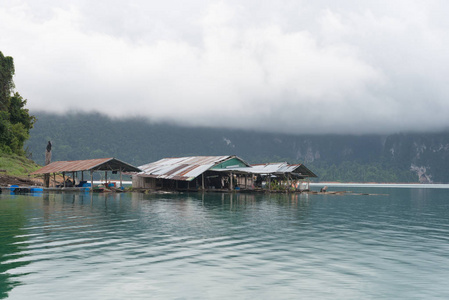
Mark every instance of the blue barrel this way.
pixel 13 187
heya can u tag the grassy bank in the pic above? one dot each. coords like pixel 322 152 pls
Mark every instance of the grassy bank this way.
pixel 14 165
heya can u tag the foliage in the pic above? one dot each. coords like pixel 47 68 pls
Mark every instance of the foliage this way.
pixel 19 114
pixel 332 157
pixel 6 82
pixel 15 120
pixel 353 171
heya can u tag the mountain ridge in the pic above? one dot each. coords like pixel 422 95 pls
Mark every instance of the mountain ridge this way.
pixel 400 157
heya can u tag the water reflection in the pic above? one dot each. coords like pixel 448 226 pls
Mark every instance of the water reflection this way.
pixel 13 240
pixel 222 245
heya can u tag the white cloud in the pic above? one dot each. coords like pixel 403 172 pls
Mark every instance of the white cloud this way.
pixel 285 66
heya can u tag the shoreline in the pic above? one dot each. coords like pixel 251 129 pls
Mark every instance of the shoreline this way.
pixel 27 181
pixel 386 185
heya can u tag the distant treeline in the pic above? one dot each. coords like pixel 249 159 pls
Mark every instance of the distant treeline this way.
pixel 365 158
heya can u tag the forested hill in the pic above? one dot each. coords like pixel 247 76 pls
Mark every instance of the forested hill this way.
pixel 367 158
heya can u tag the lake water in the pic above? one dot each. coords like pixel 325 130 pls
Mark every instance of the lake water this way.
pixel 392 245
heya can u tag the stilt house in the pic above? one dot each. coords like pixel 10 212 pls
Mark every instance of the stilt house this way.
pixel 75 167
pixel 220 173
pixel 291 176
pixel 190 173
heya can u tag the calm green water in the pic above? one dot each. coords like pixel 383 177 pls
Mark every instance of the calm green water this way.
pixel 216 246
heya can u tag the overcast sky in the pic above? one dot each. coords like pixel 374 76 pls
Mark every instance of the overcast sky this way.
pixel 321 66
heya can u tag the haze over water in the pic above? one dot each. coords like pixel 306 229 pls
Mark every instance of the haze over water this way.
pixel 394 244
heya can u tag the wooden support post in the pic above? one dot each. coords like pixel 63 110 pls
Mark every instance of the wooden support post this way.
pixel 73 178
pixel 202 181
pixel 230 182
pixel 47 180
pixel 269 182
pixel 82 175
pixel 121 179
pixel 54 179
pixel 91 180
pixel 63 177
pixel 106 179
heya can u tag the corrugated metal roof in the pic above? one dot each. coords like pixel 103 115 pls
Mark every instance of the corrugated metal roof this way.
pixel 279 168
pixel 188 168
pixel 270 168
pixel 303 170
pixel 100 164
pixel 181 168
pixel 276 169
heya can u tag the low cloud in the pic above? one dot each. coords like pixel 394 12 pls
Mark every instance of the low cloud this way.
pixel 297 68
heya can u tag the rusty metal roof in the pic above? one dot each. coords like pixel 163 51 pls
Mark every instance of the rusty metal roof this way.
pixel 98 164
pixel 181 168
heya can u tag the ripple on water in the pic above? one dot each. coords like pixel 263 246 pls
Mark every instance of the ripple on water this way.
pixel 215 246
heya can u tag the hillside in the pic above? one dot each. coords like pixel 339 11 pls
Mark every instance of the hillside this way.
pixel 409 157
pixel 14 169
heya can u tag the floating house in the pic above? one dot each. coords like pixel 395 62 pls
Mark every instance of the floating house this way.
pixel 190 173
pixel 78 167
pixel 293 176
pixel 220 173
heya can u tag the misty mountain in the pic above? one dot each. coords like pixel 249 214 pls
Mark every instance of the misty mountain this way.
pixel 411 157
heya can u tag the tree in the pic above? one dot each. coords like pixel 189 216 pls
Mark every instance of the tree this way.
pixel 15 119
pixel 6 82
pixel 19 114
